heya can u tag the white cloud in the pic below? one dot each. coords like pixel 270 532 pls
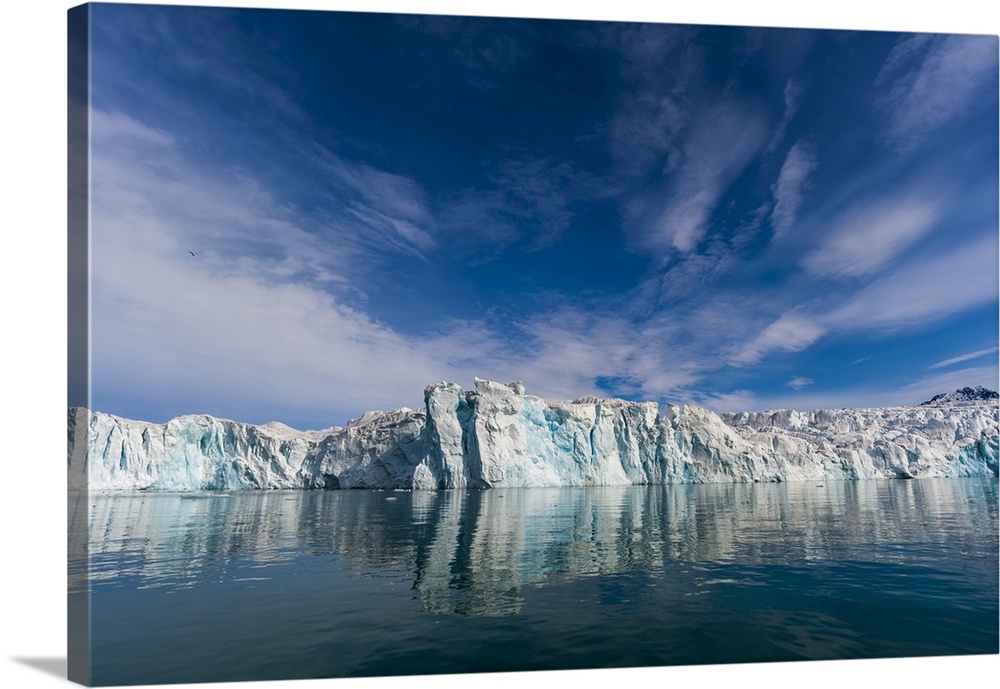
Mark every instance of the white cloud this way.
pixel 865 238
pixel 930 80
pixel 735 401
pixel 477 225
pixel 799 382
pixel 248 324
pixel 394 195
pixel 788 190
pixel 685 223
pixel 392 210
pixel 540 190
pixel 111 128
pixel 792 332
pixel 645 130
pixel 387 232
pixel 965 357
pixel 237 345
pixel 924 291
pixel 723 142
pixel 793 95
pixel 223 61
pixel 262 320
pixel 569 349
pixel 915 295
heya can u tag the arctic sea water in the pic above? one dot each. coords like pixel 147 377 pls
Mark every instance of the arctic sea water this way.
pixel 306 584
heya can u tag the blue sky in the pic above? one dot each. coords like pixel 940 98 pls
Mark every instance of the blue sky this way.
pixel 739 218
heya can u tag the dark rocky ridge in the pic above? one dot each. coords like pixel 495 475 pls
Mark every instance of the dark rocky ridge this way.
pixel 966 394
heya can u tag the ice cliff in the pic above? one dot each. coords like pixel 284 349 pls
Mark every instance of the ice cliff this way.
pixel 496 435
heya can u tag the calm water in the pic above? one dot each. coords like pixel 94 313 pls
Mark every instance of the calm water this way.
pixel 229 587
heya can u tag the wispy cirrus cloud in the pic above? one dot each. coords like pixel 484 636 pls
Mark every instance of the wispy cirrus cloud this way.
pixel 924 290
pixel 393 232
pixel 487 48
pixel 601 348
pixel 644 133
pixel 231 69
pixel 865 238
pixel 391 210
pixel 722 142
pixel 916 294
pixel 116 130
pixel 792 332
pixel 929 80
pixel 265 316
pixel 793 96
pixel 799 382
pixel 541 190
pixel 964 357
pixel 394 195
pixel 737 400
pixel 790 188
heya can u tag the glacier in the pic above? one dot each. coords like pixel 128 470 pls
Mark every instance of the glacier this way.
pixel 498 436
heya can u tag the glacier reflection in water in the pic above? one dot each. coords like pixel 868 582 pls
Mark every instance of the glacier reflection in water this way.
pixel 207 586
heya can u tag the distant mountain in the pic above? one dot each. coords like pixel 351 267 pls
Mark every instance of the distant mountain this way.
pixel 964 395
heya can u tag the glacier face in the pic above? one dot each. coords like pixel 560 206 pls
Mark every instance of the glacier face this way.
pixel 498 436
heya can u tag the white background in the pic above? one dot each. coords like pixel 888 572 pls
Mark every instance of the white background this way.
pixel 33 176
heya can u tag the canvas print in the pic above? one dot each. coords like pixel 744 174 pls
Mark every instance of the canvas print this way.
pixel 411 344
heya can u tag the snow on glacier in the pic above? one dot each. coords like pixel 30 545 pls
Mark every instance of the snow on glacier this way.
pixel 498 436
